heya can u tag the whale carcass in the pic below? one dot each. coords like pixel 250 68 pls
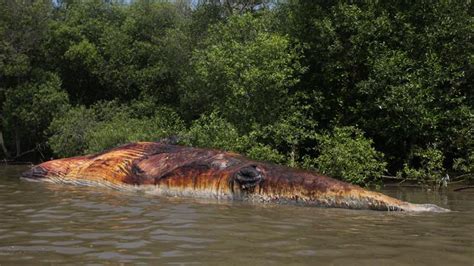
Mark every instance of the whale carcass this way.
pixel 173 170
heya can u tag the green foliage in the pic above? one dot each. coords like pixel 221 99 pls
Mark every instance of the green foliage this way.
pixel 23 27
pixel 292 131
pixel 346 154
pixel 107 124
pixel 33 103
pixel 29 107
pixel 465 165
pixel 123 128
pixel 213 131
pixel 460 139
pixel 85 54
pixel 261 152
pixel 398 75
pixel 109 51
pixel 69 131
pixel 244 71
pixel 259 78
pixel 430 167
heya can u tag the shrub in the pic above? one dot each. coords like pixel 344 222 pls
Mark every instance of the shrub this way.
pixel 124 129
pixel 465 166
pixel 427 166
pixel 346 154
pixel 261 152
pixel 213 131
pixel 69 131
pixel 105 125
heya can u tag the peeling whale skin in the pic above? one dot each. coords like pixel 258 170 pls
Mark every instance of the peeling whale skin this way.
pixel 173 170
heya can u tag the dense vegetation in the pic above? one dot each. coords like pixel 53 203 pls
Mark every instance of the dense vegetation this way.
pixel 354 90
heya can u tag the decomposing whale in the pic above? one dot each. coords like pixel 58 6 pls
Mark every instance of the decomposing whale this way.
pixel 173 170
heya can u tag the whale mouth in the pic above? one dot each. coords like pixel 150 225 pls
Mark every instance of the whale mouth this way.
pixel 34 173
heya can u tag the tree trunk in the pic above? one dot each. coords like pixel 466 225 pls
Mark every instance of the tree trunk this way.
pixel 2 144
pixel 17 142
pixel 293 156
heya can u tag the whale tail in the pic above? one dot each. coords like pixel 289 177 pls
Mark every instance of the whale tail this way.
pixel 283 184
pixel 378 201
pixel 412 207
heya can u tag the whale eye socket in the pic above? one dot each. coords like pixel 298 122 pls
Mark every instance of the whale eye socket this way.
pixel 248 177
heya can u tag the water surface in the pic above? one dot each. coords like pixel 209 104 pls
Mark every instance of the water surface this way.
pixel 48 223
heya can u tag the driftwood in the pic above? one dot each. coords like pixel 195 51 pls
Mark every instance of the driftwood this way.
pixel 463 176
pixel 463 188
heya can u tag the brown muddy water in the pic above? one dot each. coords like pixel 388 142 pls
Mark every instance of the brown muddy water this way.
pixel 55 224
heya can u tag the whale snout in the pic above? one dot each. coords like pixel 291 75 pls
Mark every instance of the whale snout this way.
pixel 35 172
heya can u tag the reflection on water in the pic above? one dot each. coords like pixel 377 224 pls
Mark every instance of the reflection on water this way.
pixel 66 224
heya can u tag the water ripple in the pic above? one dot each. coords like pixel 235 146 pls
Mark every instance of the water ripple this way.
pixel 55 224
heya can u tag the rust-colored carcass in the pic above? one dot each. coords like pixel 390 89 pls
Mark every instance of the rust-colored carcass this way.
pixel 174 170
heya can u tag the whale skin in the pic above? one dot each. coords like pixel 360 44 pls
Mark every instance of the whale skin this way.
pixel 173 170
